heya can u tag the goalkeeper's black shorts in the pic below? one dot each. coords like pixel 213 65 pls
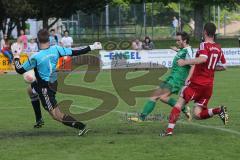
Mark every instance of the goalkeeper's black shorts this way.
pixel 46 95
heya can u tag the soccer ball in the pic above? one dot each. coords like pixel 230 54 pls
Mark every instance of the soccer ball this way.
pixel 29 76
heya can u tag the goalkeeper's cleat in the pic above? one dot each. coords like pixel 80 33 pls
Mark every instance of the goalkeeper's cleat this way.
pixel 188 113
pixel 39 124
pixel 165 134
pixel 224 115
pixel 83 131
pixel 135 119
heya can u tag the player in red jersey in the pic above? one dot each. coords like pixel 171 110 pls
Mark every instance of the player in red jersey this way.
pixel 200 85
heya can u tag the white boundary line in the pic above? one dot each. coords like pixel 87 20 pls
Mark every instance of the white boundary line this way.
pixel 181 122
pixel 121 112
pixel 211 127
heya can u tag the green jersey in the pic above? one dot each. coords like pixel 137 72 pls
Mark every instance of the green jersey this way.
pixel 178 74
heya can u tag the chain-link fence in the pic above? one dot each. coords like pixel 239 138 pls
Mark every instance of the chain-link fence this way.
pixel 150 19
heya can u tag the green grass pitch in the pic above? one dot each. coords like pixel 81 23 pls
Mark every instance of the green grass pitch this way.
pixel 111 136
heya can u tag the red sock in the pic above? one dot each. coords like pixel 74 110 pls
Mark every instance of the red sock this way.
pixel 173 118
pixel 216 110
pixel 207 113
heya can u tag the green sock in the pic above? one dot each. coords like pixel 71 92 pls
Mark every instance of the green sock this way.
pixel 172 102
pixel 184 109
pixel 148 108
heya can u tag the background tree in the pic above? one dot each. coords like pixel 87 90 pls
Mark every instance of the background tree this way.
pixel 14 13
pixel 199 6
pixel 63 9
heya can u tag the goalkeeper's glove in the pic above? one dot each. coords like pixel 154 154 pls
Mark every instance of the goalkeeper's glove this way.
pixel 16 50
pixel 95 46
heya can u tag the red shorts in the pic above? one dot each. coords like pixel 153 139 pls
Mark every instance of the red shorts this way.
pixel 200 94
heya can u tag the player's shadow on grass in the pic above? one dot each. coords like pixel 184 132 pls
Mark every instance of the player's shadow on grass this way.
pixel 35 133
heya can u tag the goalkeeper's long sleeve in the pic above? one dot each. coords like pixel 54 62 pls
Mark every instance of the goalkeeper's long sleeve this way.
pixel 81 51
pixel 18 67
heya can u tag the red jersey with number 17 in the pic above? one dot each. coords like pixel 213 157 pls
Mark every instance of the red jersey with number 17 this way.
pixel 204 73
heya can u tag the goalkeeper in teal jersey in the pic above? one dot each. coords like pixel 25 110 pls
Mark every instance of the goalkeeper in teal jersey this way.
pixel 44 64
pixel 174 82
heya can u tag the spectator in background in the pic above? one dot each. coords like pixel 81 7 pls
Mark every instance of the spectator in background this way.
pixel 53 38
pixel 175 26
pixel 20 44
pixel 24 39
pixel 6 50
pixel 32 46
pixel 148 44
pixel 3 41
pixel 137 44
pixel 59 34
pixel 66 41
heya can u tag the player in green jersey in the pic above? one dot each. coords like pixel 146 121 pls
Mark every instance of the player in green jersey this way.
pixel 174 82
